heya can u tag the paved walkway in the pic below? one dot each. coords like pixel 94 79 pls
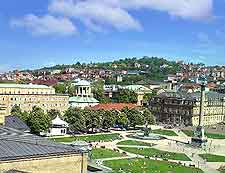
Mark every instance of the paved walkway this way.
pixel 170 144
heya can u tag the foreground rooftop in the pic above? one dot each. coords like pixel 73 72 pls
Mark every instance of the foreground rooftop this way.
pixel 16 145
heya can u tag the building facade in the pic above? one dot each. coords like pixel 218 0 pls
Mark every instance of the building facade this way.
pixel 83 95
pixel 140 90
pixel 58 128
pixel 177 108
pixel 27 96
pixel 2 113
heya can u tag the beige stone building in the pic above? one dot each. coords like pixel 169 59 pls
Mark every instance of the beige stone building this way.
pixel 2 113
pixel 26 96
pixel 31 154
pixel 177 108
pixel 140 90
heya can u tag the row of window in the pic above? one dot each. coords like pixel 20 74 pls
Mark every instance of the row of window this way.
pixel 212 118
pixel 19 92
pixel 40 105
pixel 35 99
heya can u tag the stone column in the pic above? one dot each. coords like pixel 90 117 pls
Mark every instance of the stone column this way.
pixel 202 105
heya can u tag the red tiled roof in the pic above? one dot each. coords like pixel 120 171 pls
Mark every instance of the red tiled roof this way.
pixel 113 106
pixel 45 82
pixel 211 85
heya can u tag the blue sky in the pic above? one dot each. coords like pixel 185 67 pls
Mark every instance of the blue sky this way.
pixel 46 32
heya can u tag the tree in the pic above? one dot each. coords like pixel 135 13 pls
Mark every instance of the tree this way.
pixel 149 117
pixel 134 116
pixel 148 96
pixel 38 121
pixel 122 120
pixel 126 96
pixel 60 88
pixel 98 91
pixel 76 119
pixel 53 113
pixel 66 88
pixel 16 111
pixel 108 119
pixel 93 119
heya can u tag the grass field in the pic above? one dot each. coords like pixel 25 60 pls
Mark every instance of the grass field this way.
pixel 212 158
pixel 148 166
pixel 164 132
pixel 152 152
pixel 222 171
pixel 209 135
pixel 89 138
pixel 133 142
pixel 100 153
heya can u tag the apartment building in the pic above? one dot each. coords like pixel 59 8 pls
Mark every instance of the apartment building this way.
pixel 28 95
pixel 179 108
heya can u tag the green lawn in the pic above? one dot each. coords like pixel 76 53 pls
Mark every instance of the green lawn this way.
pixel 148 166
pixel 151 152
pixel 133 142
pixel 222 171
pixel 215 136
pixel 188 132
pixel 91 138
pixel 100 153
pixel 212 158
pixel 209 135
pixel 164 132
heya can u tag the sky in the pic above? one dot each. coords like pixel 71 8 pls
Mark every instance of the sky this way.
pixel 37 33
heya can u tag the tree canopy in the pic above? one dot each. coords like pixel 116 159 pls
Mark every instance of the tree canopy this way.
pixel 126 96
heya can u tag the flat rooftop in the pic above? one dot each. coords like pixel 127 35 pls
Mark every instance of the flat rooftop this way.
pixel 25 86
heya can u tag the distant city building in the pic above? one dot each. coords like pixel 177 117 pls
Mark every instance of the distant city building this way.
pixel 179 108
pixel 56 71
pixel 140 90
pixel 83 95
pixel 29 153
pixel 26 96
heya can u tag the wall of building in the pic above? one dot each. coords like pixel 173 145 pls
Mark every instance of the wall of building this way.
pixel 2 114
pixel 28 101
pixel 57 131
pixel 26 90
pixel 213 114
pixel 208 120
pixel 82 105
pixel 71 164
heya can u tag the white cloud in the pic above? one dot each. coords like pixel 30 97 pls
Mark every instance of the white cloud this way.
pixel 96 14
pixel 195 9
pixel 45 25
